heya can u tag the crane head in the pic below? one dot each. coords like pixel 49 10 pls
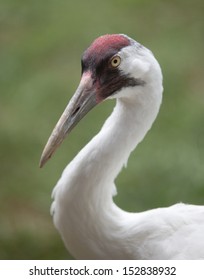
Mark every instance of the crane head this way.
pixel 111 64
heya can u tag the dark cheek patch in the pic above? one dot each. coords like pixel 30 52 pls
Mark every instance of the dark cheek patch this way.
pixel 115 82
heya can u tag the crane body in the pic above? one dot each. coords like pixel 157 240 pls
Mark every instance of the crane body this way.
pixel 91 225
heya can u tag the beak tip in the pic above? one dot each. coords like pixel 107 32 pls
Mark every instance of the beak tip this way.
pixel 50 147
pixel 42 161
pixel 44 158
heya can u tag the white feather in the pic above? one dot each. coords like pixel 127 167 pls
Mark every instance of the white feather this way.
pixel 90 224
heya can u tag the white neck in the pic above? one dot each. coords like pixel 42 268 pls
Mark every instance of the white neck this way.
pixel 86 186
pixel 126 127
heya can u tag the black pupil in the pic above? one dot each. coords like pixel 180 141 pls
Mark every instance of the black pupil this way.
pixel 115 61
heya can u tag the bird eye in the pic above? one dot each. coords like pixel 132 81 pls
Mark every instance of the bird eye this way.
pixel 115 61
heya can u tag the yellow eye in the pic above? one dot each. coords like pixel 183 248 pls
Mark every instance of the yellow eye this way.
pixel 115 61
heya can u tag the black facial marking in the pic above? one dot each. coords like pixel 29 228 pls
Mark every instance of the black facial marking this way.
pixel 107 80
pixel 115 82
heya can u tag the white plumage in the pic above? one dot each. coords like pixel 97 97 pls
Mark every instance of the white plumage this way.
pixel 89 222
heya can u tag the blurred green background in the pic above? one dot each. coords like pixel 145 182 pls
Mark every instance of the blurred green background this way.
pixel 41 43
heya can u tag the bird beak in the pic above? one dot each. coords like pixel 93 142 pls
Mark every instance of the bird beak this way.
pixel 80 104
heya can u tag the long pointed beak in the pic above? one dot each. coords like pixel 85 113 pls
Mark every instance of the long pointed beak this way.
pixel 80 104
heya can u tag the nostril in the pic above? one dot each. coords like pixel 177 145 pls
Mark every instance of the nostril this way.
pixel 75 111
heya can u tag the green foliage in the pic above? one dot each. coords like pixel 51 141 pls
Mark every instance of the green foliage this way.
pixel 40 47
